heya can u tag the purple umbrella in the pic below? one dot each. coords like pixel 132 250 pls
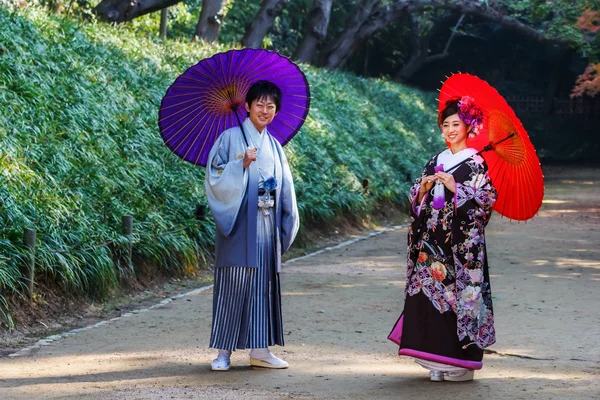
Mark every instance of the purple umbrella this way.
pixel 209 98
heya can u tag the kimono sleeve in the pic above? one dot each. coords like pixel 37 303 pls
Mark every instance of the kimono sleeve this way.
pixel 225 183
pixel 478 192
pixel 473 199
pixel 290 221
pixel 413 194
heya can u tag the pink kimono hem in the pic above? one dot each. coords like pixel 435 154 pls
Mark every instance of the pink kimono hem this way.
pixel 396 333
pixel 441 359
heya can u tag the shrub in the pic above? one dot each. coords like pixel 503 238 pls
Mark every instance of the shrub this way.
pixel 80 148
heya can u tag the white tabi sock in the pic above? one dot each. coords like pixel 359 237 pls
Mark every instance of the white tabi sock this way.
pixel 224 355
pixel 260 353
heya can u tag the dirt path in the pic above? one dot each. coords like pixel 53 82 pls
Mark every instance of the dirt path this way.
pixel 339 307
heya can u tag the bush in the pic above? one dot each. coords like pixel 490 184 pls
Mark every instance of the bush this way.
pixel 80 148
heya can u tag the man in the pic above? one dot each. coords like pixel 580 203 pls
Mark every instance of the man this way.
pixel 251 195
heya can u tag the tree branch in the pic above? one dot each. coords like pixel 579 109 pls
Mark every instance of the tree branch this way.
pixel 256 32
pixel 125 10
pixel 380 16
pixel 449 42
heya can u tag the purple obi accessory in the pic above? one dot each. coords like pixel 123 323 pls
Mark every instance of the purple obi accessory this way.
pixel 439 196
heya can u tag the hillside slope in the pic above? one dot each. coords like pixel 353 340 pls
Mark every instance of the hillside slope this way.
pixel 80 148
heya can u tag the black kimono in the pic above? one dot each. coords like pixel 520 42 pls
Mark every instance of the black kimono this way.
pixel 447 317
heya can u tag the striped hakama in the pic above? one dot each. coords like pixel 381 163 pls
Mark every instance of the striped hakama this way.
pixel 247 301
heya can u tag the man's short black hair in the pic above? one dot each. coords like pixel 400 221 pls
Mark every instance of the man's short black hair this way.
pixel 261 90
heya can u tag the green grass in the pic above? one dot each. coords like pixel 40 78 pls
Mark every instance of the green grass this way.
pixel 80 148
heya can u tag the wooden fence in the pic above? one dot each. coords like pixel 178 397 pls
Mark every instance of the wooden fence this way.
pixel 585 107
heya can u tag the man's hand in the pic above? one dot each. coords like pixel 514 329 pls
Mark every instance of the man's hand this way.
pixel 249 156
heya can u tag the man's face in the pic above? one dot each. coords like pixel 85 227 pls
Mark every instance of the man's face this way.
pixel 261 112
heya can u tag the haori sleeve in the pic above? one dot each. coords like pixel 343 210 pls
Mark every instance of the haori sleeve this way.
pixel 225 183
pixel 290 221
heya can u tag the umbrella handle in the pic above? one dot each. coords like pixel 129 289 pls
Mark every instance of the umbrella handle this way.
pixel 488 147
pixel 234 108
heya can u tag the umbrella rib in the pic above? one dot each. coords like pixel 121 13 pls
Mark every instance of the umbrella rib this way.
pixel 188 135
pixel 292 115
pixel 189 78
pixel 170 96
pixel 529 178
pixel 238 64
pixel 167 127
pixel 504 188
pixel 471 90
pixel 194 101
pixel 247 73
pixel 520 192
pixel 294 86
pixel 252 72
pixel 227 75
pixel 173 135
pixel 254 55
pixel 197 108
pixel 530 203
pixel 476 93
pixel 216 74
pixel 203 144
pixel 525 177
pixel 298 95
pixel 210 77
pixel 286 77
pixel 217 98
pixel 286 124
pixel 274 131
pixel 196 87
pixel 214 78
pixel 303 107
pixel 494 172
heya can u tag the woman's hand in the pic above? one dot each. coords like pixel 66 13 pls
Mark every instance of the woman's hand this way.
pixel 426 184
pixel 249 156
pixel 447 179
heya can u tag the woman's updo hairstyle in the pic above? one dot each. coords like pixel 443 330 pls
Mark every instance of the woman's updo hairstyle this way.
pixel 468 112
pixel 450 108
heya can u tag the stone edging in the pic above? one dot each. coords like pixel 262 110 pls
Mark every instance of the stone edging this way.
pixel 51 339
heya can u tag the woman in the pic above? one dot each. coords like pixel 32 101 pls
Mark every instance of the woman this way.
pixel 447 319
pixel 251 195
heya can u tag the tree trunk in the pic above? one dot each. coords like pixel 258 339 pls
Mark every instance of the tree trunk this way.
pixel 552 88
pixel 420 47
pixel 414 64
pixel 372 15
pixel 164 20
pixel 209 23
pixel 125 10
pixel 337 53
pixel 315 31
pixel 256 32
pixel 421 43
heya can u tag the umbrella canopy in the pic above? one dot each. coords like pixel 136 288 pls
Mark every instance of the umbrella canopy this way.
pixel 513 164
pixel 204 100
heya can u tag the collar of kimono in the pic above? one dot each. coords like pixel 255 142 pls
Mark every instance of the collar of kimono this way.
pixel 448 159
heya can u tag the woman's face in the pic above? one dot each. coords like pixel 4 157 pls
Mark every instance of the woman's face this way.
pixel 454 129
pixel 261 112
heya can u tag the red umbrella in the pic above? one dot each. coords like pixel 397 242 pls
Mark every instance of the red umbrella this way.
pixel 504 143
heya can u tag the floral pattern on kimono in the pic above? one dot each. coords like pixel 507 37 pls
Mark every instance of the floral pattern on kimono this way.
pixel 447 259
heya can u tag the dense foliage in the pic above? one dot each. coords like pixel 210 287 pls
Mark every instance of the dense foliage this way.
pixel 80 148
